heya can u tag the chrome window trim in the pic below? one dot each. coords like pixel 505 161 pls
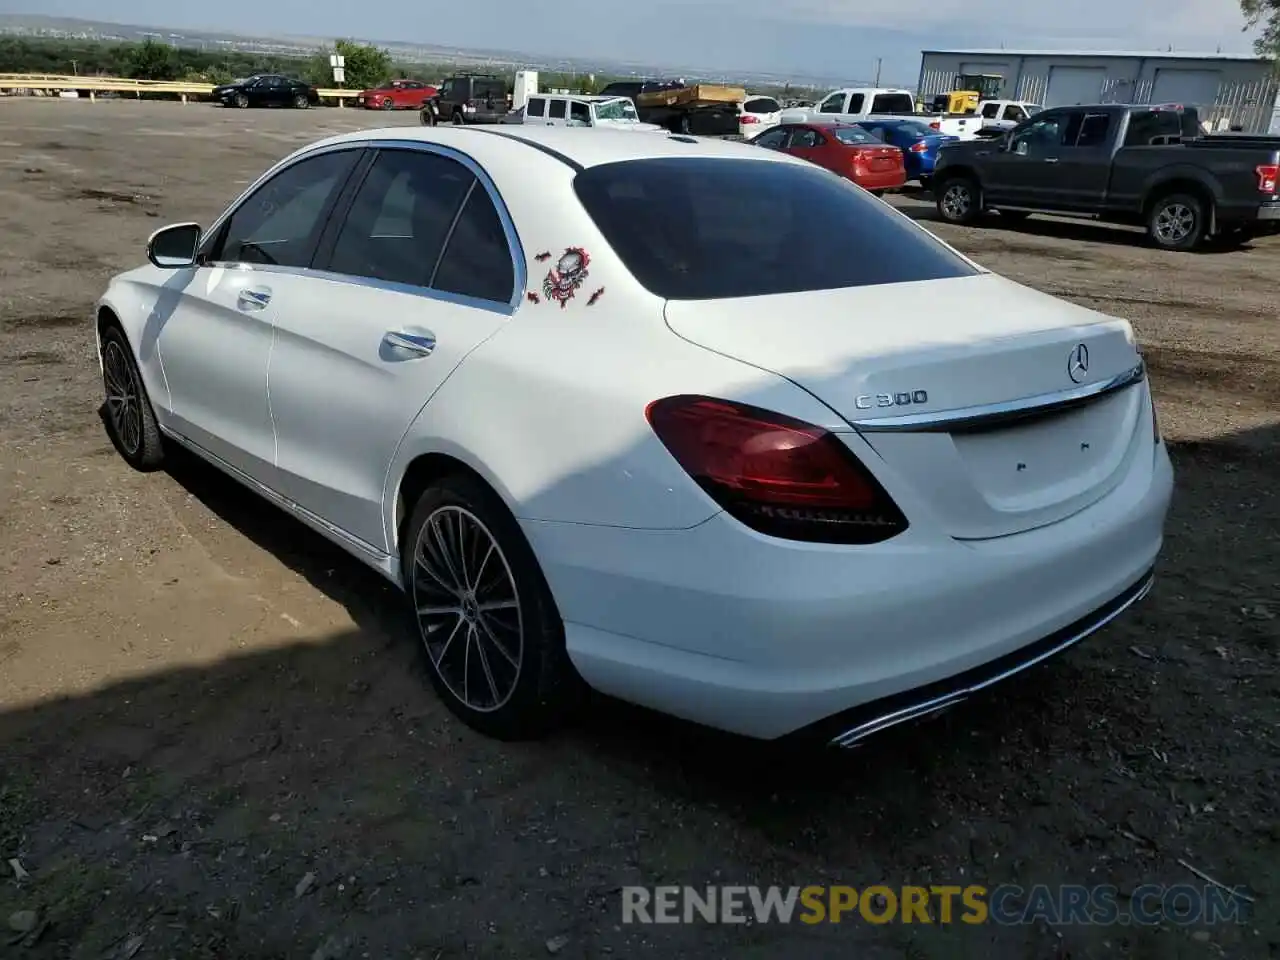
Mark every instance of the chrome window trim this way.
pixel 972 416
pixel 515 248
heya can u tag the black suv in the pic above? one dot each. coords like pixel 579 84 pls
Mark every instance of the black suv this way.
pixel 468 98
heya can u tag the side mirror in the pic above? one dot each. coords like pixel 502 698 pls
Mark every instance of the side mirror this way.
pixel 174 247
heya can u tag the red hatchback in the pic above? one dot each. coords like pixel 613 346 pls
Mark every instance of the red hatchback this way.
pixel 842 148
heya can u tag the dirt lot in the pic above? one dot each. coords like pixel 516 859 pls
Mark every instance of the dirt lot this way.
pixel 202 704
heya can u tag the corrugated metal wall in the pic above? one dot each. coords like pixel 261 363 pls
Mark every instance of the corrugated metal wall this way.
pixel 1246 96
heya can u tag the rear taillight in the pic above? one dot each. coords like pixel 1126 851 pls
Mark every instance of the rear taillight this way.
pixel 919 147
pixel 935 125
pixel 779 476
pixel 748 118
pixel 1268 174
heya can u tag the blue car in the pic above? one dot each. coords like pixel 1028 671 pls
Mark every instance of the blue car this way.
pixel 918 141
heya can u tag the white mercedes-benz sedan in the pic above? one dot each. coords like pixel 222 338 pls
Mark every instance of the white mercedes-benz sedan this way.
pixel 702 425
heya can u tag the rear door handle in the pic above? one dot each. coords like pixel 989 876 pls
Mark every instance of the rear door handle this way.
pixel 419 344
pixel 1050 159
pixel 253 299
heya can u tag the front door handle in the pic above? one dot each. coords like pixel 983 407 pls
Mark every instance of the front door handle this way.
pixel 419 344
pixel 253 299
pixel 1050 159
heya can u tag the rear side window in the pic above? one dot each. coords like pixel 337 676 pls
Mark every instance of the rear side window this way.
pixel 477 261
pixel 1093 130
pixel 702 228
pixel 855 103
pixel 535 107
pixel 400 217
pixel 761 105
pixel 555 109
pixel 1153 127
pixel 893 103
pixel 852 135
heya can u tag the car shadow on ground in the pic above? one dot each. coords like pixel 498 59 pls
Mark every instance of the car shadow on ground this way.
pixel 205 796
pixel 1056 228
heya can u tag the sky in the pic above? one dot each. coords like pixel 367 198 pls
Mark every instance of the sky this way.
pixel 833 38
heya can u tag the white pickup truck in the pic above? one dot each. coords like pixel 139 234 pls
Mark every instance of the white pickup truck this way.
pixel 852 104
pixel 990 115
pixel 855 103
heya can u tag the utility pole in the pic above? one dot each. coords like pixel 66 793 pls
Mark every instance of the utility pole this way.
pixel 878 62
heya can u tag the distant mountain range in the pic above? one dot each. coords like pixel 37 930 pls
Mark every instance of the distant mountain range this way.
pixel 37 25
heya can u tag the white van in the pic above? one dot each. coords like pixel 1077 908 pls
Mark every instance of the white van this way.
pixel 560 110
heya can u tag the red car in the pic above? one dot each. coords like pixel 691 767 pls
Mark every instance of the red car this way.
pixel 397 95
pixel 843 148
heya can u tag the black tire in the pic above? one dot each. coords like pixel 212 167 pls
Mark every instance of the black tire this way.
pixel 959 200
pixel 926 184
pixel 388 103
pixel 1178 221
pixel 876 193
pixel 458 119
pixel 530 698
pixel 242 101
pixel 126 412
pixel 427 117
pixel 300 102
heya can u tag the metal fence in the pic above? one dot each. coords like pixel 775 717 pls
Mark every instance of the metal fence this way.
pixel 54 83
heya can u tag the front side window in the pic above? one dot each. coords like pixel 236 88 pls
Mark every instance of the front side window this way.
pixel 700 228
pixel 807 138
pixel 280 223
pixel 580 113
pixel 555 109
pixel 1043 134
pixel 1015 113
pixel 989 110
pixel 833 104
pixel 397 224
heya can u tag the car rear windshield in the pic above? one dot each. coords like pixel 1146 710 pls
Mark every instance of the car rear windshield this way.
pixel 855 135
pixel 702 228
pixel 487 89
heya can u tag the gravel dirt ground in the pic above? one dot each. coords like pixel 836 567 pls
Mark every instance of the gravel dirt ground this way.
pixel 216 739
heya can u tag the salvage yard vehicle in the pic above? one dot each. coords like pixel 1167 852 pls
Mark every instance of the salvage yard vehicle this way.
pixel 637 411
pixel 467 98
pixel 706 109
pixel 266 90
pixel 990 115
pixel 568 110
pixel 852 104
pixel 758 114
pixel 843 148
pixel 397 95
pixel 1143 165
pixel 918 142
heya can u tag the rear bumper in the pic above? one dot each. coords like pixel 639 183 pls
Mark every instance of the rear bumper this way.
pixel 881 181
pixel 765 637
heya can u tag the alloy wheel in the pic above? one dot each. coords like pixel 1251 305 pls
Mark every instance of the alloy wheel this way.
pixel 124 398
pixel 468 608
pixel 956 201
pixel 1174 223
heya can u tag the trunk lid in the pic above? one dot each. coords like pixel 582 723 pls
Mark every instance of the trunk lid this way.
pixel 879 159
pixel 938 377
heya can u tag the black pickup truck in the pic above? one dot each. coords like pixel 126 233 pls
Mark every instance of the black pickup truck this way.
pixel 1142 165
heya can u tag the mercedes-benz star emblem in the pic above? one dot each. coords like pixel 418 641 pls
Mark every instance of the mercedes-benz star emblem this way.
pixel 1078 363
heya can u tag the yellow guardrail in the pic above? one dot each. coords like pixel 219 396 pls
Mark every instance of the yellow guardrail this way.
pixel 51 83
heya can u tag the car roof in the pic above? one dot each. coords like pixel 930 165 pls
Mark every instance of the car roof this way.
pixel 577 147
